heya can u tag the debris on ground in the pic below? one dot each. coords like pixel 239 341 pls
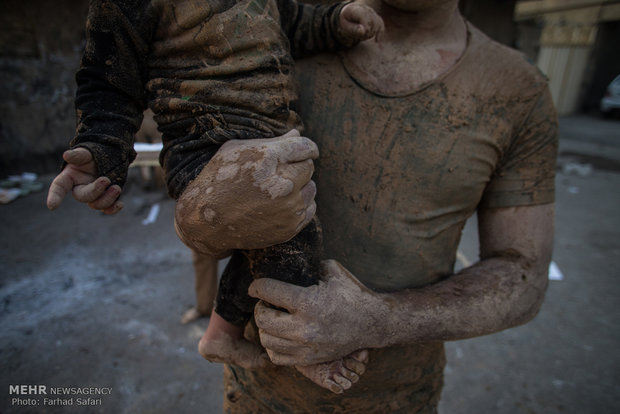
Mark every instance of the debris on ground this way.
pixel 18 186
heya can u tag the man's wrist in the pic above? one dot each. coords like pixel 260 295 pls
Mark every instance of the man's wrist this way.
pixel 401 324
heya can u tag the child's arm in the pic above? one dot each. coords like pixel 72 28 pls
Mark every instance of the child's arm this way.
pixel 109 103
pixel 322 28
pixel 358 22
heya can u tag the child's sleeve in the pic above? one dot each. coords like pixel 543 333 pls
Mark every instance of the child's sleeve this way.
pixel 311 28
pixel 110 95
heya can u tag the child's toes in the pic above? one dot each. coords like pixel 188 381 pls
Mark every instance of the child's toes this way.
pixel 343 382
pixel 354 365
pixel 361 355
pixel 333 386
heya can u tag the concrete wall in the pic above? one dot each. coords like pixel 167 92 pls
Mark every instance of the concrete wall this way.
pixel 40 45
pixel 493 17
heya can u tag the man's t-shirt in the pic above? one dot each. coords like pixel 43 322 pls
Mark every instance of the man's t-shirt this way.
pixel 397 178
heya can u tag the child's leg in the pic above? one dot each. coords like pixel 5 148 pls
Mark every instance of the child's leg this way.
pixel 205 274
pixel 298 262
pixel 223 340
pixel 205 269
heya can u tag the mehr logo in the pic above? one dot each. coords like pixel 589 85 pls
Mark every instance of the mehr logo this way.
pixel 28 389
pixel 37 395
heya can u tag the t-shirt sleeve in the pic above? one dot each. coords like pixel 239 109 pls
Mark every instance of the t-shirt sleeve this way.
pixel 526 173
pixel 110 96
pixel 310 28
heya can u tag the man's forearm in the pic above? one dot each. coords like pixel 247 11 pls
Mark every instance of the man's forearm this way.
pixel 495 294
pixel 340 314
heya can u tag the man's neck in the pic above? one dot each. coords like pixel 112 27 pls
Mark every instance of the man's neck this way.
pixel 417 47
pixel 437 24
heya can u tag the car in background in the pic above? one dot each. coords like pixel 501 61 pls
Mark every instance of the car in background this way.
pixel 610 104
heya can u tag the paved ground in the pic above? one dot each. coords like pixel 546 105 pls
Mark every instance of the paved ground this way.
pixel 93 301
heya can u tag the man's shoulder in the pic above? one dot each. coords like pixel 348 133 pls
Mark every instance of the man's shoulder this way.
pixel 503 68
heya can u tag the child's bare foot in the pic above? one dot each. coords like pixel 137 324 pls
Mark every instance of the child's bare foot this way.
pixel 337 376
pixel 224 342
pixel 191 315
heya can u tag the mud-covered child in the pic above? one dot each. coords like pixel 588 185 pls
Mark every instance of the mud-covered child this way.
pixel 211 71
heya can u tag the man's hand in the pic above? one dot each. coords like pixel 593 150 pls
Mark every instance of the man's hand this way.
pixel 252 194
pixel 325 321
pixel 79 177
pixel 359 22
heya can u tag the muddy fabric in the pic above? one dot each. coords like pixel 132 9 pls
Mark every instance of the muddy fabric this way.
pixel 210 70
pixel 405 388
pixel 296 261
pixel 397 178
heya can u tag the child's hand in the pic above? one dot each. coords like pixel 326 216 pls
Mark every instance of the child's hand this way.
pixel 79 177
pixel 359 22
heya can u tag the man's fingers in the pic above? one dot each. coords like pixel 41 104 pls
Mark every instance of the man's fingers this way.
pixel 107 199
pixel 308 192
pixel 281 359
pixel 328 268
pixel 277 344
pixel 299 173
pixel 277 293
pixel 295 149
pixel 88 193
pixel 292 133
pixel 77 156
pixel 308 215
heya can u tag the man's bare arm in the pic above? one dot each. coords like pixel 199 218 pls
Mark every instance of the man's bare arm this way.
pixel 505 289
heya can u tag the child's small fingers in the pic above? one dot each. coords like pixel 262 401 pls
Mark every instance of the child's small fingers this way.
pixel 87 193
pixel 118 206
pixel 107 199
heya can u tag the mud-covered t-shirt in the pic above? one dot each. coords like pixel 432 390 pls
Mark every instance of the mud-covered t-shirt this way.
pixel 398 176
pixel 211 71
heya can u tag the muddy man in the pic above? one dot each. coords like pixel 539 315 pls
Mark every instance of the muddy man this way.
pixel 418 131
